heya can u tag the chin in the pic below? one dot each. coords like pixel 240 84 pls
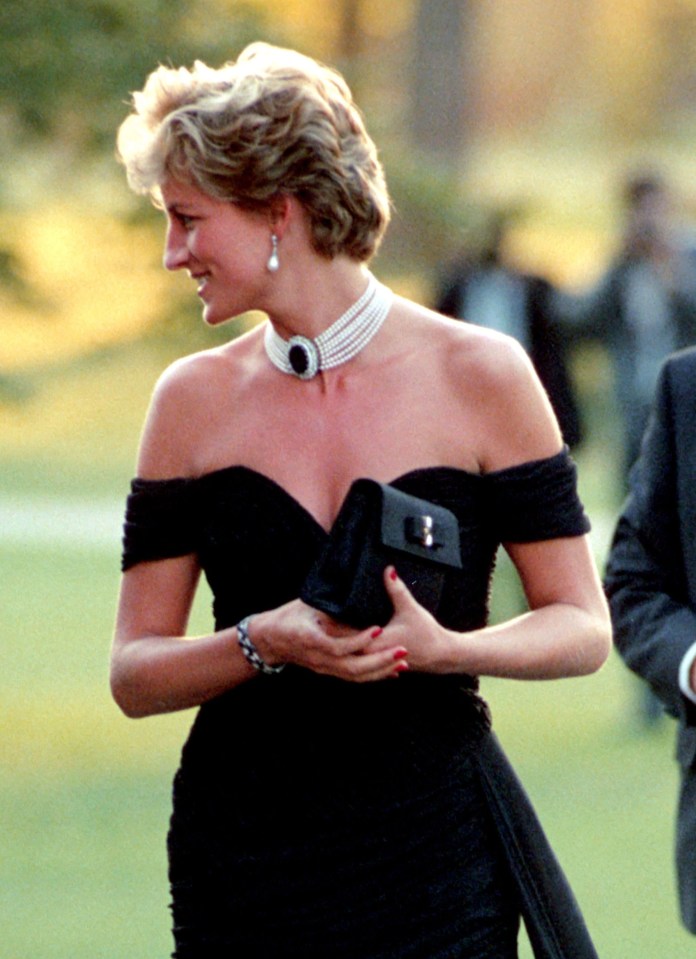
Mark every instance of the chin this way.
pixel 213 318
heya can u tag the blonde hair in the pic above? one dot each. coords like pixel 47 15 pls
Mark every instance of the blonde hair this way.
pixel 275 122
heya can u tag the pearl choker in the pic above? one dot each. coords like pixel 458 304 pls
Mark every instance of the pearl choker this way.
pixel 343 340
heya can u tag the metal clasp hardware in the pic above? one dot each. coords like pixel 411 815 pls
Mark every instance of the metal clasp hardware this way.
pixel 421 530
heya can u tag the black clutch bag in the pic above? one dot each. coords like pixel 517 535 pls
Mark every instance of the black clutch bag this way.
pixel 378 526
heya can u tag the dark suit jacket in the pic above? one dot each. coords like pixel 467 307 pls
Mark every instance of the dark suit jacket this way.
pixel 651 580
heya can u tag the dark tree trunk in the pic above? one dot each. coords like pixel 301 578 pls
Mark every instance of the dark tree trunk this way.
pixel 439 74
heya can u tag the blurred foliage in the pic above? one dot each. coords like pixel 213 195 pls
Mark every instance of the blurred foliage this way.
pixel 66 69
pixel 430 216
pixel 13 277
pixel 80 262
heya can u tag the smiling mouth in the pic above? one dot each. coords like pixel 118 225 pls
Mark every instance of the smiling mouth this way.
pixel 202 279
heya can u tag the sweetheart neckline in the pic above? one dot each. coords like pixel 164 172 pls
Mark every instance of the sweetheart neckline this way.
pixel 211 475
pixel 299 505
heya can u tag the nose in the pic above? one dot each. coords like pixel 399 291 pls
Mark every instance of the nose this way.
pixel 176 253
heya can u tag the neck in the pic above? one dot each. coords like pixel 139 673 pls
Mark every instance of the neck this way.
pixel 309 302
pixel 338 342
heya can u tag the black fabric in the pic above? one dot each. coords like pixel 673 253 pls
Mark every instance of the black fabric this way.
pixel 314 817
pixel 377 526
pixel 552 916
pixel 160 521
pixel 534 497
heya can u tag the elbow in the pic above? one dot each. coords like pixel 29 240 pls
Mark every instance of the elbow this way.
pixel 598 644
pixel 133 679
pixel 128 694
pixel 126 702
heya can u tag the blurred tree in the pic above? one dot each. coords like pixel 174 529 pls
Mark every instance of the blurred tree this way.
pixel 424 155
pixel 66 69
pixel 66 73
pixel 349 44
pixel 439 92
pixel 12 274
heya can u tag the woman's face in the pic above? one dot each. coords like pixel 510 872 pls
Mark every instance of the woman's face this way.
pixel 223 247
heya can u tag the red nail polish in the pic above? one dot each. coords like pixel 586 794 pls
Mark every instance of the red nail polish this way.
pixel 401 654
pixel 376 632
pixel 392 574
pixel 401 667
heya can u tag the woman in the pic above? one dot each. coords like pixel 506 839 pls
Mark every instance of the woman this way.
pixel 339 793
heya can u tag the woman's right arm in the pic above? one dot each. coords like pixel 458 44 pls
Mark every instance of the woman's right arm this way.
pixel 156 668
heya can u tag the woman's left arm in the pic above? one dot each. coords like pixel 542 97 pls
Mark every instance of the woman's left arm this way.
pixel 566 631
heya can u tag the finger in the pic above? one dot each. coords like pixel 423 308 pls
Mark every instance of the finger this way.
pixel 384 640
pixel 353 645
pixel 376 666
pixel 335 629
pixel 398 591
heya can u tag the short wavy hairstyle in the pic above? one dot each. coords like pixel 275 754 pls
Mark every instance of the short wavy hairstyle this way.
pixel 274 122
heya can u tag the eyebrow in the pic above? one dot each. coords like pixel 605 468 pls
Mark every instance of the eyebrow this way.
pixel 175 207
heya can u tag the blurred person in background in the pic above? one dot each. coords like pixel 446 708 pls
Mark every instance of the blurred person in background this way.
pixel 651 585
pixel 485 287
pixel 340 793
pixel 644 306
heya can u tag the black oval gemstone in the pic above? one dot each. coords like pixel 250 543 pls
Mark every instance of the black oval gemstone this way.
pixel 299 358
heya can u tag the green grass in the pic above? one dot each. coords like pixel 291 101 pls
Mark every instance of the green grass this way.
pixel 605 789
pixel 84 793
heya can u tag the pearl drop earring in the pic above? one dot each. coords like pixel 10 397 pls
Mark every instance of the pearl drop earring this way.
pixel 273 262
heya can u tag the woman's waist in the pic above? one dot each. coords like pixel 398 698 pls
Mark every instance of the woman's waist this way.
pixel 309 724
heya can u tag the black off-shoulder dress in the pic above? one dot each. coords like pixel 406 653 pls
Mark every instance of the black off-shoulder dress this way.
pixel 319 819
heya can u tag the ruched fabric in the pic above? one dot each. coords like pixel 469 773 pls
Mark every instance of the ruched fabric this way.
pixel 314 817
pixel 160 521
pixel 537 501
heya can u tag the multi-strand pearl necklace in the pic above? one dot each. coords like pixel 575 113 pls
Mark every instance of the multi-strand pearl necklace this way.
pixel 343 340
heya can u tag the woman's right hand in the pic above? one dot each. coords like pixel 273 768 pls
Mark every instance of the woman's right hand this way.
pixel 298 634
pixel 157 668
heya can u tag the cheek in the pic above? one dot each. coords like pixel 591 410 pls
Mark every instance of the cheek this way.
pixel 211 245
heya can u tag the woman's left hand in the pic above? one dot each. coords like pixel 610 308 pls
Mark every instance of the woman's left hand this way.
pixel 413 628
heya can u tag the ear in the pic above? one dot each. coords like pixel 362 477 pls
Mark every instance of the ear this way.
pixel 279 213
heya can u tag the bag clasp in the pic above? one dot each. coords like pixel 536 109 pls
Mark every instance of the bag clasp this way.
pixel 421 530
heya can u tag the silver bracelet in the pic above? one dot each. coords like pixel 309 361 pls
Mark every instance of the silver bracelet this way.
pixel 251 652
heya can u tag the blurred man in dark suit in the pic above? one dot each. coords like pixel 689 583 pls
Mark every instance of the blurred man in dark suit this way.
pixel 651 584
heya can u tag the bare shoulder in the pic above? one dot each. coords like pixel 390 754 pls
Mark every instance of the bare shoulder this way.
pixel 468 353
pixel 491 360
pixel 200 372
pixel 502 405
pixel 187 398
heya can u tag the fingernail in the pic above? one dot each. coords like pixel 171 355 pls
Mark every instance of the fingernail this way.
pixel 401 654
pixel 401 667
pixel 376 632
pixel 393 574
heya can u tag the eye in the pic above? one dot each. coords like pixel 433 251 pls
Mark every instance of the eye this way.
pixel 184 220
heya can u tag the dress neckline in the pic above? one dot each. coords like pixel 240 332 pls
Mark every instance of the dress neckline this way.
pixel 217 474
